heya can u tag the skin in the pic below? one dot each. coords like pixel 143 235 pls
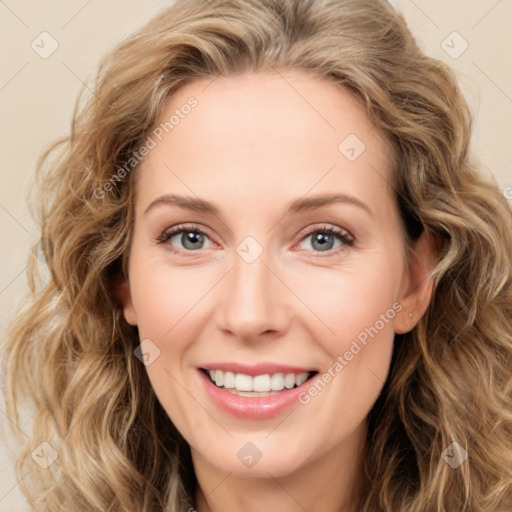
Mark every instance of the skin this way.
pixel 252 145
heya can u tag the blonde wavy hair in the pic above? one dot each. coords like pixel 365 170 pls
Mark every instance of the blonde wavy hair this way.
pixel 70 354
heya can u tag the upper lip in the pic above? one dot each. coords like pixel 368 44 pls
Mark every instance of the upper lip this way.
pixel 257 369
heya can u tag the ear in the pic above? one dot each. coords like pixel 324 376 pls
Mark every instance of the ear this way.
pixel 417 288
pixel 124 294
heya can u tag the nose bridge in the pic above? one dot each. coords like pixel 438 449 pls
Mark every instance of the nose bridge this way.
pixel 253 300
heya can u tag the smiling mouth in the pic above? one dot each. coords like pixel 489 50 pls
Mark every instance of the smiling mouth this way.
pixel 259 385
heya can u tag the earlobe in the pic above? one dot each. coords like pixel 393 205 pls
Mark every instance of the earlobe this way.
pixel 124 294
pixel 419 287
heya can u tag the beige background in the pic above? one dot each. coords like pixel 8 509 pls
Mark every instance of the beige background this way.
pixel 37 97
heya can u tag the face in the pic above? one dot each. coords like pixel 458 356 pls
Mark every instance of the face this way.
pixel 268 249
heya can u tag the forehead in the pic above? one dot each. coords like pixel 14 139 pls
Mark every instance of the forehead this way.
pixel 259 133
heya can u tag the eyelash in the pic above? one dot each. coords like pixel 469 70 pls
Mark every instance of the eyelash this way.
pixel 347 240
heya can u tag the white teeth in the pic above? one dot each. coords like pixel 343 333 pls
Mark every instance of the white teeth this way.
pixel 243 382
pixel 260 383
pixel 277 381
pixel 289 380
pixel 219 378
pixel 229 380
pixel 301 378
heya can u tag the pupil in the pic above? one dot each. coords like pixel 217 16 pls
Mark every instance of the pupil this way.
pixel 192 238
pixel 323 239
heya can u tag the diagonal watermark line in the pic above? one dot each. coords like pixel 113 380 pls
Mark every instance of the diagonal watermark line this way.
pixel 15 424
pixel 13 13
pixel 76 14
pixel 486 14
pixel 492 81
pixel 198 402
pixel 204 496
pixel 14 218
pixel 92 91
pixel 301 300
pixel 13 487
pixel 424 13
pixel 210 83
pixel 12 280
pixel 77 76
pixel 14 76
pixel 376 376
pixel 286 491
pixel 391 185
pixel 280 423
pixel 298 93
pixel 219 484
pixel 198 301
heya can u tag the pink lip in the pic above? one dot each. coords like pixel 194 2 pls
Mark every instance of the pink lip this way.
pixel 253 407
pixel 257 369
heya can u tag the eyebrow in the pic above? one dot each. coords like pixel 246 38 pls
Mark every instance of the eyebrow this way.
pixel 197 204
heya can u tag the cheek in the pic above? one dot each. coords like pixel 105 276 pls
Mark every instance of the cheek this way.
pixel 353 299
pixel 168 305
pixel 165 297
pixel 357 306
pixel 359 311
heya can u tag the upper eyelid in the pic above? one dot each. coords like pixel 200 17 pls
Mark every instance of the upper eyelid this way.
pixel 309 231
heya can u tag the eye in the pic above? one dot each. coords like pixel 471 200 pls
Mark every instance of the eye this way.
pixel 191 238
pixel 323 239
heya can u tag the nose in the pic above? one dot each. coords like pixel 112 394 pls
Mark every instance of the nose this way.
pixel 254 301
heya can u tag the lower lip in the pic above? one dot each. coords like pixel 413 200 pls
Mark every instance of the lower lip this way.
pixel 253 407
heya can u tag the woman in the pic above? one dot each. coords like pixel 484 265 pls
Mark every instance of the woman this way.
pixel 277 278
